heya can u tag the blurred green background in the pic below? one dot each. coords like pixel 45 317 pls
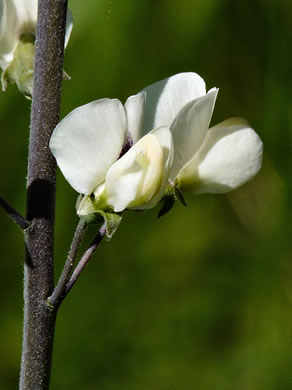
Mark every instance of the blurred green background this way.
pixel 200 299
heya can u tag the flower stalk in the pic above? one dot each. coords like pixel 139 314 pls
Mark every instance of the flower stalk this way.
pixel 58 294
pixel 86 257
pixel 39 317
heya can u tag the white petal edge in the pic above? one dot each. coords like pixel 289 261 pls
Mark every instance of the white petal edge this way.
pixel 230 156
pixel 190 128
pixel 27 11
pixel 8 31
pixel 88 141
pixel 69 26
pixel 165 98
pixel 134 107
pixel 132 183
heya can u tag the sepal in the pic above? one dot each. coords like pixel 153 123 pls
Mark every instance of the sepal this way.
pixel 168 202
pixel 112 222
pixel 66 76
pixel 90 211
pixel 177 193
pixel 85 208
pixel 21 69
pixel 172 194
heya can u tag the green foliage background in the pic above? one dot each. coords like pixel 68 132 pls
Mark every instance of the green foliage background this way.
pixel 200 299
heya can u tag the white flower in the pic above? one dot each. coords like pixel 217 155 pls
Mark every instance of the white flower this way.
pixel 89 146
pixel 88 143
pixel 16 18
pixel 218 159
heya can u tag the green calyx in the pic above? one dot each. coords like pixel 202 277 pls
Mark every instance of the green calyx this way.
pixel 97 211
pixel 88 205
pixel 21 68
pixel 112 222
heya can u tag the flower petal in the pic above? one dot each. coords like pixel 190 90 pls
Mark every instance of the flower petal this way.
pixel 134 107
pixel 69 26
pixel 136 178
pixel 88 141
pixel 8 31
pixel 165 138
pixel 189 130
pixel 230 156
pixel 165 98
pixel 26 15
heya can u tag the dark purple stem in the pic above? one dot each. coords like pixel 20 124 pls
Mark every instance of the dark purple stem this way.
pixel 39 317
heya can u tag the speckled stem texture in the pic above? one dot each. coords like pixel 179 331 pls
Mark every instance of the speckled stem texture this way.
pixel 39 317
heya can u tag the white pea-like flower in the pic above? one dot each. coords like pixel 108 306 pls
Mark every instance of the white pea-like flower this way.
pixel 217 159
pixel 124 156
pixel 18 20
pixel 89 146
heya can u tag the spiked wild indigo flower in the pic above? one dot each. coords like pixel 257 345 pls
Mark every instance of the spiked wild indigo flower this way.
pixel 17 35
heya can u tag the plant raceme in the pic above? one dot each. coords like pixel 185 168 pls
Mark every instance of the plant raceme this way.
pixel 17 35
pixel 128 157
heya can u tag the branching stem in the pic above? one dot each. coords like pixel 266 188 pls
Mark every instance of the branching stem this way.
pixel 57 296
pixel 85 258
pixel 14 215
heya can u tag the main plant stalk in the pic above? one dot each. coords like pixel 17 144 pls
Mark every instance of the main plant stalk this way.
pixel 39 317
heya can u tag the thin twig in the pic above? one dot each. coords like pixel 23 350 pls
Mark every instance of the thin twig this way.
pixel 14 215
pixel 75 245
pixel 85 259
